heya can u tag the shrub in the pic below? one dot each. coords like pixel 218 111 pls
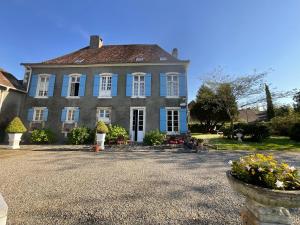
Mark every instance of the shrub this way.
pixel 80 135
pixel 281 125
pixel 101 128
pixel 197 128
pixel 265 171
pixel 154 137
pixel 295 132
pixel 16 126
pixel 43 136
pixel 115 132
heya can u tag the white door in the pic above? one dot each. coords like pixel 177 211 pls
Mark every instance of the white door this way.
pixel 137 124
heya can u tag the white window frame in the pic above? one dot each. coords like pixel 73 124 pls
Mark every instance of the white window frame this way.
pixel 167 86
pixel 100 94
pixel 73 115
pixel 39 85
pixel 138 74
pixel 77 75
pixel 173 109
pixel 98 118
pixel 34 114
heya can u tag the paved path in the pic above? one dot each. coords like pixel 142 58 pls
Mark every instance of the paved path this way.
pixel 51 187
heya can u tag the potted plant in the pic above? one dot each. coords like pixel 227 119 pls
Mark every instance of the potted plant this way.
pixel 270 188
pixel 15 130
pixel 101 130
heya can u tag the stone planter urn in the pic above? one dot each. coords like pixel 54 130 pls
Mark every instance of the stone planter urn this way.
pixel 14 140
pixel 264 206
pixel 100 138
pixel 3 211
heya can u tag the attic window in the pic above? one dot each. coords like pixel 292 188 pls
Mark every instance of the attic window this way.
pixel 79 60
pixel 139 59
pixel 162 58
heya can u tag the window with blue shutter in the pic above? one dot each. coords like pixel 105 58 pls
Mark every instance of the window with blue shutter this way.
pixel 51 85
pixel 82 85
pixel 96 85
pixel 182 85
pixel 148 84
pixel 129 85
pixel 30 114
pixel 45 114
pixel 162 120
pixel 163 84
pixel 65 86
pixel 183 120
pixel 33 85
pixel 63 115
pixel 114 85
pixel 76 115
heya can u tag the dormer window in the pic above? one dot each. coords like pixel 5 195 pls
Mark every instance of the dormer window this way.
pixel 79 60
pixel 139 59
pixel 162 58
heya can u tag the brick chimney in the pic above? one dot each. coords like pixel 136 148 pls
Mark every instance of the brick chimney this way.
pixel 95 41
pixel 175 52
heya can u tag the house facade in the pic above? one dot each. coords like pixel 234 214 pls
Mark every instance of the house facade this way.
pixel 139 87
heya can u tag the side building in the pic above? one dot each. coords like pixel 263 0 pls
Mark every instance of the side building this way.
pixel 139 87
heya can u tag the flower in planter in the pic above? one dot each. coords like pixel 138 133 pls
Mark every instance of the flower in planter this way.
pixel 263 170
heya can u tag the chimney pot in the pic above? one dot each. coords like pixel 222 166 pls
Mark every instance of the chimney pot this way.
pixel 175 52
pixel 96 41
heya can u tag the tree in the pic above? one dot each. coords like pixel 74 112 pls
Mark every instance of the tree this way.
pixel 283 110
pixel 270 106
pixel 297 102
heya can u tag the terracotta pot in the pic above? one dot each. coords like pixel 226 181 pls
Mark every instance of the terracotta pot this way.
pixel 264 205
pixel 97 148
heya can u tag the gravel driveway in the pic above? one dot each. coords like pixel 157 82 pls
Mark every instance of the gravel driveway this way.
pixel 68 187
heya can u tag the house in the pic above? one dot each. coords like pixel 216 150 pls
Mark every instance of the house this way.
pixel 12 94
pixel 252 115
pixel 140 87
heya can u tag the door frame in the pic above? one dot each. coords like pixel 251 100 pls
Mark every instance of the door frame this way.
pixel 131 120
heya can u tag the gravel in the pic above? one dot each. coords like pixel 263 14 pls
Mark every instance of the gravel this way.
pixel 71 187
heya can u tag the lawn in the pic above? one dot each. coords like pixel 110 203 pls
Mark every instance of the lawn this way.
pixel 273 143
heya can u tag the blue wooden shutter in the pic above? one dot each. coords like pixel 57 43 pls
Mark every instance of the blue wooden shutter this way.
pixel 114 85
pixel 65 86
pixel 162 120
pixel 51 85
pixel 63 115
pixel 148 84
pixel 30 114
pixel 45 115
pixel 96 85
pixel 33 85
pixel 183 121
pixel 76 115
pixel 163 84
pixel 82 85
pixel 182 85
pixel 129 85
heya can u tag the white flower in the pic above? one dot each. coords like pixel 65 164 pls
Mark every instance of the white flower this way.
pixel 292 168
pixel 248 167
pixel 271 170
pixel 279 184
pixel 260 169
pixel 230 162
pixel 242 160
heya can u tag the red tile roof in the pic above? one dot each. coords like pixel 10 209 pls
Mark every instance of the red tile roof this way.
pixel 8 80
pixel 115 54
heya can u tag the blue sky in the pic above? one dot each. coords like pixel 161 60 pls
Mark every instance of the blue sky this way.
pixel 239 36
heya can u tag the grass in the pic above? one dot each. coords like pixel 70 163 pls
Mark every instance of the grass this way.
pixel 278 143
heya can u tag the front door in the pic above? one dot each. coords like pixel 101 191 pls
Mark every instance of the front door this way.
pixel 137 124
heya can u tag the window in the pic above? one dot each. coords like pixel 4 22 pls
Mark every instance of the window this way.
pixel 43 84
pixel 105 86
pixel 103 114
pixel 138 85
pixel 70 115
pixel 38 115
pixel 74 85
pixel 173 121
pixel 172 85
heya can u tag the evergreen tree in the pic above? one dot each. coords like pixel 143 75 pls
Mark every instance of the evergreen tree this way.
pixel 270 106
